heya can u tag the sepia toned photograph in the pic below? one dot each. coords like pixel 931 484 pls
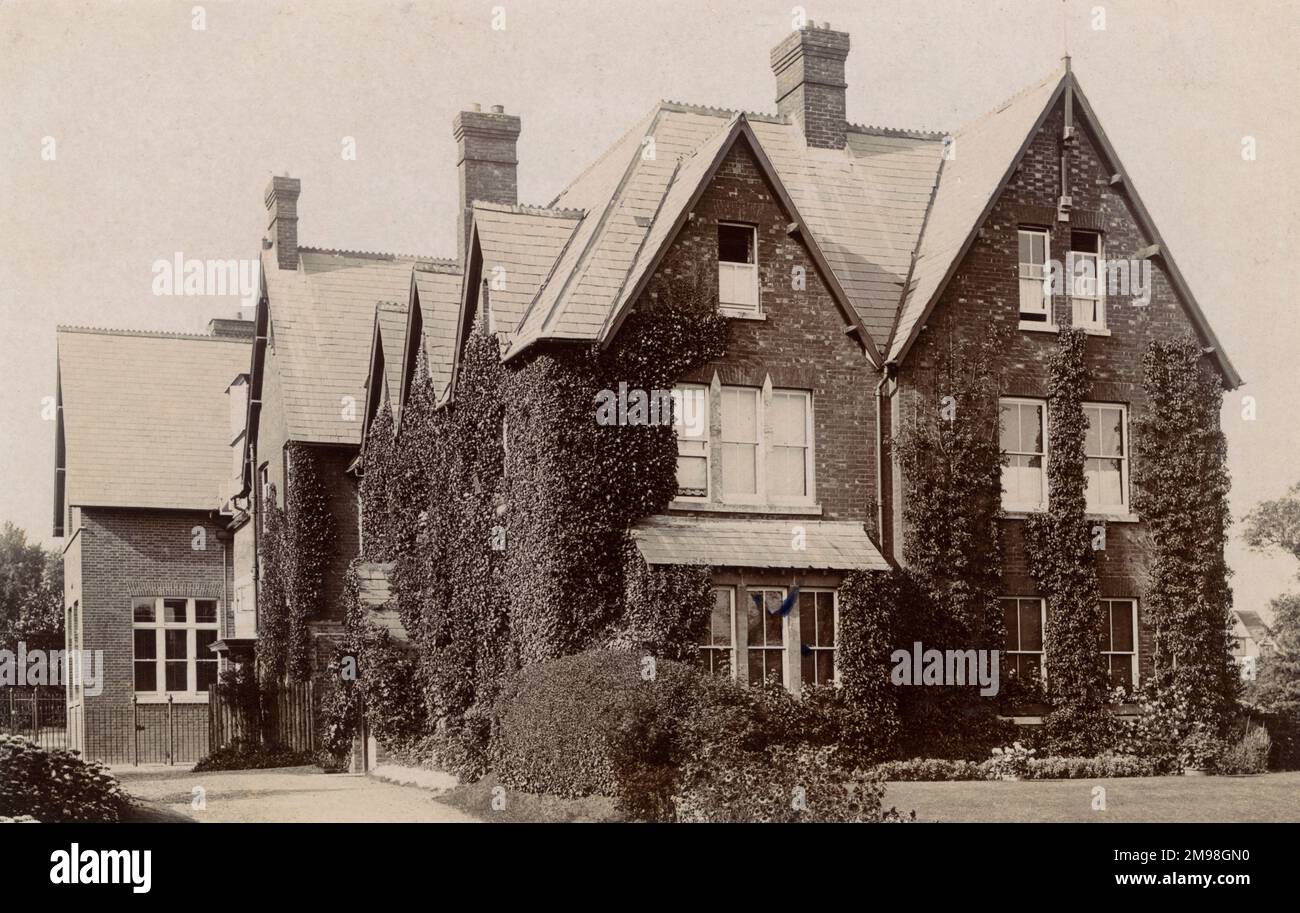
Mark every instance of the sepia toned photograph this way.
pixel 538 412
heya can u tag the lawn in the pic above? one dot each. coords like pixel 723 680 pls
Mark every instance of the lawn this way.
pixel 1269 797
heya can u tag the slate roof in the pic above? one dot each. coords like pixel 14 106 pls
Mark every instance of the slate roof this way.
pixel 864 206
pixel 439 288
pixel 890 214
pixel 1253 624
pixel 390 329
pixel 983 156
pixel 830 545
pixel 520 244
pixel 322 322
pixel 146 418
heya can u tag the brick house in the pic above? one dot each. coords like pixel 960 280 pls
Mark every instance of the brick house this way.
pixel 145 427
pixel 835 246
pixel 315 342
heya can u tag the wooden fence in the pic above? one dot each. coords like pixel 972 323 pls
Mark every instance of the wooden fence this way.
pixel 282 717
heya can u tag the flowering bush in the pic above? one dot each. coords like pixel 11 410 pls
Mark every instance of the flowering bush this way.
pixel 55 785
pixel 1248 754
pixel 1010 763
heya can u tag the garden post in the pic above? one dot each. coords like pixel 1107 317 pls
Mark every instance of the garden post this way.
pixel 36 717
pixel 171 734
pixel 135 732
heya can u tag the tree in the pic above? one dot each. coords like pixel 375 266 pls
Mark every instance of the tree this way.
pixel 1277 682
pixel 31 593
pixel 1276 523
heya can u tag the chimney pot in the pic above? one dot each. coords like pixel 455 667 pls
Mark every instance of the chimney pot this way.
pixel 810 87
pixel 498 109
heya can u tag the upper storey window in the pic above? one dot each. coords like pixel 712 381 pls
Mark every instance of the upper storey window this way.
pixel 1087 290
pixel 1035 296
pixel 737 268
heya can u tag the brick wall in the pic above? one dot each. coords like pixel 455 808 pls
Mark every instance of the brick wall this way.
pixel 126 553
pixel 985 293
pixel 800 343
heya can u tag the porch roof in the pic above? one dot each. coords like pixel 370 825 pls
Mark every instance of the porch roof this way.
pixel 826 544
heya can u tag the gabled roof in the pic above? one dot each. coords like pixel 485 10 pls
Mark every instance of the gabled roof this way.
pixel 986 155
pixel 322 324
pixel 145 417
pixel 384 381
pixel 519 246
pixel 1253 624
pixel 860 209
pixel 436 294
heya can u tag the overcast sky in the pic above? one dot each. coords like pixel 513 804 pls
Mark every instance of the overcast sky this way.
pixel 165 136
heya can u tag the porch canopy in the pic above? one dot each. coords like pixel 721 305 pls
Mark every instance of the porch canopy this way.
pixel 790 543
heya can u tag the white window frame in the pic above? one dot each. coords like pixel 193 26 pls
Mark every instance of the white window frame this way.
pixel 692 445
pixel 1041 505
pixel 1107 602
pixel 1125 505
pixel 1042 653
pixel 787 635
pixel 1030 316
pixel 808 463
pixel 797 615
pixel 735 270
pixel 160 626
pixel 1097 300
pixel 708 649
pixel 759 495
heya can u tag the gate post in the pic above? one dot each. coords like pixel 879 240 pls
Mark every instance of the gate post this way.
pixel 171 734
pixel 36 717
pixel 135 731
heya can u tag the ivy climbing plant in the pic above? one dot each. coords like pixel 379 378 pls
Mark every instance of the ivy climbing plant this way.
pixel 1180 484
pixel 1062 560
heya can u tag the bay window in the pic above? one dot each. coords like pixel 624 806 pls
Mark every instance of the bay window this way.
pixel 717 646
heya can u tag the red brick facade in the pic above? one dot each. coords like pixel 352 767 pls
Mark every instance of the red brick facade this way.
pixel 984 294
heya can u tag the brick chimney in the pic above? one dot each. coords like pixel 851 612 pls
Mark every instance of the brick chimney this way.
pixel 282 230
pixel 810 86
pixel 486 160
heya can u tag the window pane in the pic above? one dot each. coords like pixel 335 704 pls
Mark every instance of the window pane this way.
pixel 146 676
pixel 772 624
pixel 788 471
pixel 1121 672
pixel 174 611
pixel 176 644
pixel 202 641
pixel 144 611
pixel 146 644
pixel 177 676
pixel 808 667
pixel 789 418
pixel 754 616
pixel 1112 432
pixel 1009 415
pixel 720 624
pixel 1031 428
pixel 735 244
pixel 691 413
pixel 739 469
pixel 207 673
pixel 1121 627
pixel 1010 621
pixel 1031 625
pixel 1092 440
pixel 692 476
pixel 825 620
pixel 205 611
pixel 740 414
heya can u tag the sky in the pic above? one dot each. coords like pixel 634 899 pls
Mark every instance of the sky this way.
pixel 132 134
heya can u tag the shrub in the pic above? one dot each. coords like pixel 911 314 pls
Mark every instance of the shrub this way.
pixel 1104 766
pixel 553 719
pixel 1247 754
pixel 1010 763
pixel 929 770
pixel 782 784
pixel 56 785
pixel 242 754
pixel 1200 748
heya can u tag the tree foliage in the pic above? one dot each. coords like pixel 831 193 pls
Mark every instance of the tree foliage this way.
pixel 31 593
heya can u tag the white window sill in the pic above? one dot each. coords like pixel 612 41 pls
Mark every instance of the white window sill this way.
pixel 1096 331
pixel 740 314
pixel 1022 513
pixel 801 510
pixel 1115 518
pixel 1036 327
pixel 177 698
